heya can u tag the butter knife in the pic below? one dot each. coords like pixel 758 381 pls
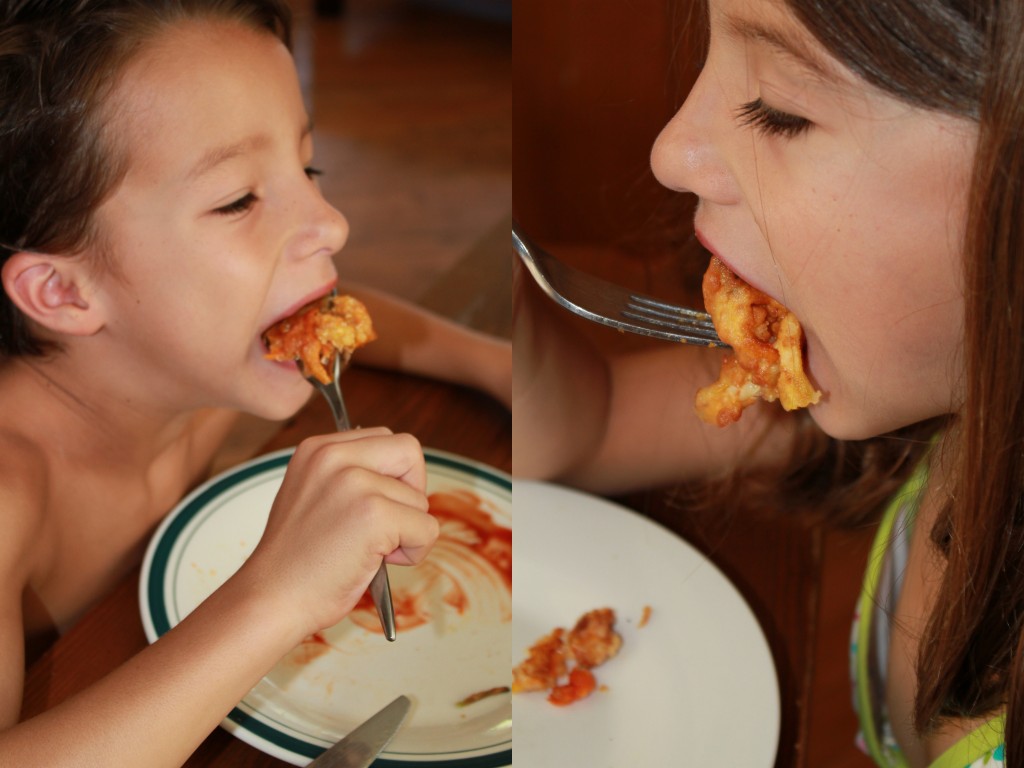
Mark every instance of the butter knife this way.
pixel 360 747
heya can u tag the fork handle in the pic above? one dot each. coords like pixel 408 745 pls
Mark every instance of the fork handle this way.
pixel 380 591
pixel 332 394
pixel 380 587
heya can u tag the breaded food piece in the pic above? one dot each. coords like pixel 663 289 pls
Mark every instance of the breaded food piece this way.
pixel 594 640
pixel 318 331
pixel 561 662
pixel 766 361
pixel 544 665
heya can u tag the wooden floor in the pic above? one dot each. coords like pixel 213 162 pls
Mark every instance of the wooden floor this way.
pixel 412 111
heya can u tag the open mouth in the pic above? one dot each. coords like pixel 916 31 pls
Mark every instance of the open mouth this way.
pixel 767 357
pixel 318 332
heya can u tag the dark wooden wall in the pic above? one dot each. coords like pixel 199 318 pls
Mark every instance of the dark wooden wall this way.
pixel 594 82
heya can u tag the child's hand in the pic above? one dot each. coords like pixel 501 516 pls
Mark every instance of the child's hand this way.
pixel 347 500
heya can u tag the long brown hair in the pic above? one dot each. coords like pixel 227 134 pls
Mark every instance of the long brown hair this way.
pixel 967 58
pixel 59 61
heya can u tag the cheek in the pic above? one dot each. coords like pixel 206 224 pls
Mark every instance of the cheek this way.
pixel 882 367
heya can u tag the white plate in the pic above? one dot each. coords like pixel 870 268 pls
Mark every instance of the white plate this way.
pixel 330 684
pixel 695 686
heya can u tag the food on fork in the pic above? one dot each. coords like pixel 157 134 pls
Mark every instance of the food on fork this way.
pixel 318 331
pixel 766 361
pixel 560 655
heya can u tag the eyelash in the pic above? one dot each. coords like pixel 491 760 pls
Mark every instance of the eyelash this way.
pixel 245 202
pixel 771 121
pixel 240 205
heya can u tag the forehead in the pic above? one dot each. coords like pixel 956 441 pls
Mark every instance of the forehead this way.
pixel 771 27
pixel 771 24
pixel 199 85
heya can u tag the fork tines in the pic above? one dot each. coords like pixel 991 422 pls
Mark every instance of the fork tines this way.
pixel 689 323
pixel 610 304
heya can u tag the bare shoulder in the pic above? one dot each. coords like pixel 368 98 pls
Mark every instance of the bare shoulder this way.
pixel 22 504
pixel 24 490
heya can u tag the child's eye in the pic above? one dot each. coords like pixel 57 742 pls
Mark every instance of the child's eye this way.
pixel 771 121
pixel 240 205
pixel 313 172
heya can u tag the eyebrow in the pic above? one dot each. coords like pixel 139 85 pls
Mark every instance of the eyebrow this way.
pixel 787 44
pixel 220 155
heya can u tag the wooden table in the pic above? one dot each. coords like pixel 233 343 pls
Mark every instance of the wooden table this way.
pixel 775 563
pixel 462 421
pixel 444 417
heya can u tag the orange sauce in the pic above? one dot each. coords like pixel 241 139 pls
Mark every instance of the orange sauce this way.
pixel 475 531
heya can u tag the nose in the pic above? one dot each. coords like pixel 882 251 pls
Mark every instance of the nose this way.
pixel 688 155
pixel 322 227
pixel 334 228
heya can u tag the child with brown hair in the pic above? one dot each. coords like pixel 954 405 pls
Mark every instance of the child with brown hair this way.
pixel 860 163
pixel 158 212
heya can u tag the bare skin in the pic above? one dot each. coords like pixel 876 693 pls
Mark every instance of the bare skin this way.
pixel 633 425
pixel 101 438
pixel 410 339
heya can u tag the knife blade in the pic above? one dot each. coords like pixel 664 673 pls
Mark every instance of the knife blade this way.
pixel 360 747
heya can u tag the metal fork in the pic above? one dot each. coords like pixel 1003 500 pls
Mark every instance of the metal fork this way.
pixel 611 304
pixel 380 587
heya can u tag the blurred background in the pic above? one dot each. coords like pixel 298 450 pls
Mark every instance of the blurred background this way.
pixel 412 111
pixel 594 83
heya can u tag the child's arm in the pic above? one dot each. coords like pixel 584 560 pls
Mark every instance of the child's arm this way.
pixel 412 339
pixel 612 423
pixel 347 500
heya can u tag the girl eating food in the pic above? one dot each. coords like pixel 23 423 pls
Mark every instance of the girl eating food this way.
pixel 859 163
pixel 158 213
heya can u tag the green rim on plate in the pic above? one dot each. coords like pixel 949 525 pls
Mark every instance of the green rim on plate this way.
pixel 157 612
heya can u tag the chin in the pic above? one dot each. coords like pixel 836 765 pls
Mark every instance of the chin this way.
pixel 860 423
pixel 279 410
pixel 846 429
pixel 281 397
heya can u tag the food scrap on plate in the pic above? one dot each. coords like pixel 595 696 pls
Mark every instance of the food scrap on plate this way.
pixel 318 331
pixel 766 361
pixel 562 662
pixel 473 698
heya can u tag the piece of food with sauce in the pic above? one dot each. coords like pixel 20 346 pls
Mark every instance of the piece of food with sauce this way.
pixel 544 665
pixel 594 640
pixel 562 662
pixel 318 331
pixel 766 361
pixel 580 685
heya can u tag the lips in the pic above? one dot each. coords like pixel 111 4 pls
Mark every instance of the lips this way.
pixel 310 298
pixel 755 284
pixel 704 241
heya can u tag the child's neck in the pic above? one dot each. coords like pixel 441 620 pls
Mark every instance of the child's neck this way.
pixel 62 406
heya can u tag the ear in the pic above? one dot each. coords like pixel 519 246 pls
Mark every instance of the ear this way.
pixel 52 291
